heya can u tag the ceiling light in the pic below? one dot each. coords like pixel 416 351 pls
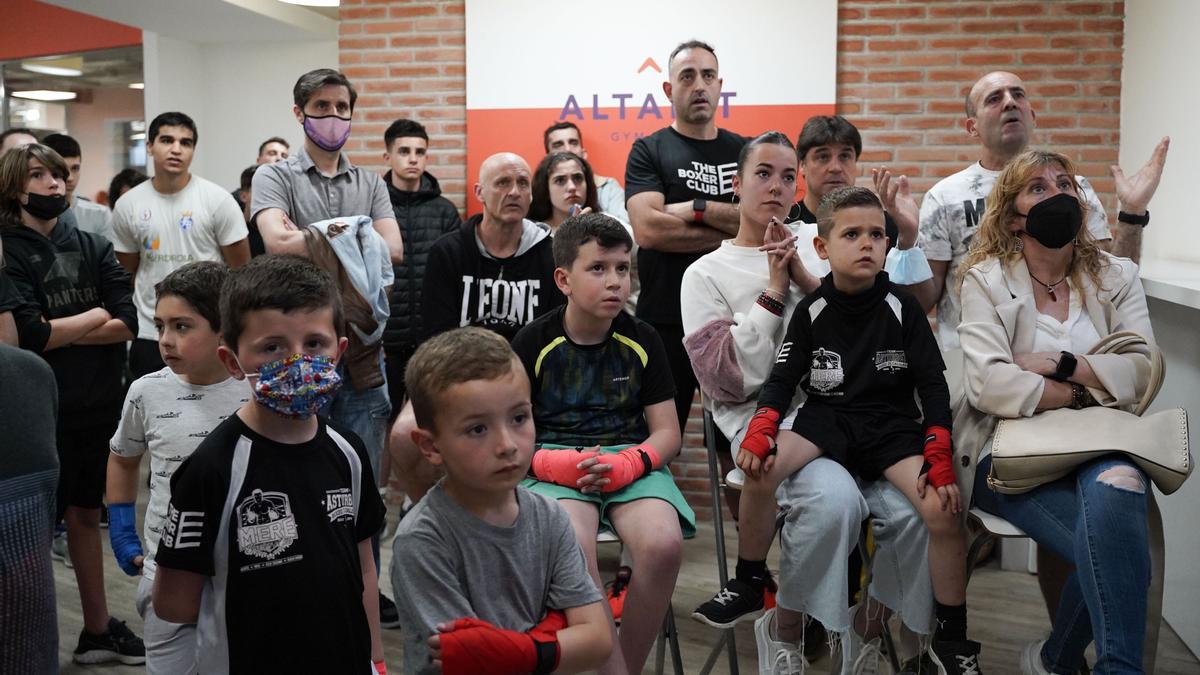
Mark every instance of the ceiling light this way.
pixel 71 66
pixel 137 85
pixel 45 95
pixel 313 3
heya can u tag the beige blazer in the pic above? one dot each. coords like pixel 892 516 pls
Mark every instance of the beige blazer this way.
pixel 999 319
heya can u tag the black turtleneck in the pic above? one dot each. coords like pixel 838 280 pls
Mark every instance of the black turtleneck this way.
pixel 863 352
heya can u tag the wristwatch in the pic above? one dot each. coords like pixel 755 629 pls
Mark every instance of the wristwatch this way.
pixel 1065 368
pixel 1080 397
pixel 698 206
pixel 1123 217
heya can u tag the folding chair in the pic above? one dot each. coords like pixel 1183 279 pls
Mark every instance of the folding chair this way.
pixel 668 636
pixel 716 482
pixel 987 527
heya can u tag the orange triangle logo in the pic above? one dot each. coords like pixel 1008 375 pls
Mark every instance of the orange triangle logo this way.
pixel 649 63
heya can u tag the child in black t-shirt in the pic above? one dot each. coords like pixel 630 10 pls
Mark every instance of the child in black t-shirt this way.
pixel 859 346
pixel 603 405
pixel 267 545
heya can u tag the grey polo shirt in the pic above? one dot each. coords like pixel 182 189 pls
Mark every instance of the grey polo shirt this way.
pixel 308 196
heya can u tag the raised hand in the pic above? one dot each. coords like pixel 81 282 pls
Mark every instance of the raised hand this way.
pixel 1136 191
pixel 898 201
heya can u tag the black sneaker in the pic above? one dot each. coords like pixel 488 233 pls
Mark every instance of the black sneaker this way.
pixel 118 643
pixel 956 658
pixel 736 602
pixel 389 616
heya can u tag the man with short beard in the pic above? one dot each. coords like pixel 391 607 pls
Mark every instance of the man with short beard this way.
pixel 679 194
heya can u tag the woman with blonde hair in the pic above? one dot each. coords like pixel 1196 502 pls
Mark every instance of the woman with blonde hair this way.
pixel 1037 294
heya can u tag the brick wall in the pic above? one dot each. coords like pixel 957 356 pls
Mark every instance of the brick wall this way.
pixel 903 68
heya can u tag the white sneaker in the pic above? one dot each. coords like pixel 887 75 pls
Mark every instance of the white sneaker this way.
pixel 1031 659
pixel 58 548
pixel 775 657
pixel 736 479
pixel 865 658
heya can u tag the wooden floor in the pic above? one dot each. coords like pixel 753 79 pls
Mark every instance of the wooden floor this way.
pixel 1006 611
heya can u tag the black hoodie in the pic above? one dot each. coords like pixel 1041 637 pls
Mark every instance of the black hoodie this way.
pixel 466 287
pixel 67 274
pixel 424 216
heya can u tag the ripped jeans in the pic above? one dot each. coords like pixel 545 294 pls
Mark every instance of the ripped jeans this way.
pixel 1095 519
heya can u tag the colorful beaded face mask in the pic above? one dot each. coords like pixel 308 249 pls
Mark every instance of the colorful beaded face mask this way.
pixel 297 386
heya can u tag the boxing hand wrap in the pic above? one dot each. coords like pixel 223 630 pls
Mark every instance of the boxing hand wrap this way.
pixel 476 647
pixel 629 465
pixel 380 668
pixel 939 456
pixel 559 466
pixel 122 533
pixel 547 631
pixel 760 434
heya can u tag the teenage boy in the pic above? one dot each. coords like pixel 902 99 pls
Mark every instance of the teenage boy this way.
pixel 481 566
pixel 267 542
pixel 865 417
pixel 167 413
pixel 89 216
pixel 424 216
pixel 601 381
pixel 170 220
pixel 566 137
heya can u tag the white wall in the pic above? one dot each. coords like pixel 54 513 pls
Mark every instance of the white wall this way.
pixel 91 124
pixel 1159 98
pixel 239 94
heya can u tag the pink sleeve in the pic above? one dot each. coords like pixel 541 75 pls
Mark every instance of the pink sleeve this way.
pixel 714 359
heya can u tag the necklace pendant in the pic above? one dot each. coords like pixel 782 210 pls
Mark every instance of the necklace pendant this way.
pixel 1053 297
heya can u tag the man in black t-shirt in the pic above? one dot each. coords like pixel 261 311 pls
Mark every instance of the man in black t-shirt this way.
pixel 679 193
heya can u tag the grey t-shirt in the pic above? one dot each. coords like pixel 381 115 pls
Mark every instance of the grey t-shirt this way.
pixel 448 564
pixel 308 196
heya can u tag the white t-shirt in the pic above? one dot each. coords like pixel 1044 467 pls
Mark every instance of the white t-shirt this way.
pixel 950 213
pixel 169 417
pixel 169 231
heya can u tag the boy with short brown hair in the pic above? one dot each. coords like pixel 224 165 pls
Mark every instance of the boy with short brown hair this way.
pixel 267 543
pixel 488 577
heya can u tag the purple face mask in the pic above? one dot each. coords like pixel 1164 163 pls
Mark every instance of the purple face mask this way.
pixel 329 132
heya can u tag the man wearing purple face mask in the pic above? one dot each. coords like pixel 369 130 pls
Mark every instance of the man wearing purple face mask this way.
pixel 318 183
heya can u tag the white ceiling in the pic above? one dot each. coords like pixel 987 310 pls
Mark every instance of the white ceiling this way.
pixel 214 21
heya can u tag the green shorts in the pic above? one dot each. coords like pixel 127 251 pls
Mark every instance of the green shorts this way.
pixel 659 484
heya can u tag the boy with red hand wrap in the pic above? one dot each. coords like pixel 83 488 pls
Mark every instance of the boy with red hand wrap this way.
pixel 601 379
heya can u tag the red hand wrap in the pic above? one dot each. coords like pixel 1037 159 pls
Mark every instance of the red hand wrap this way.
pixel 380 668
pixel 558 466
pixel 476 647
pixel 760 435
pixel 547 631
pixel 629 465
pixel 940 456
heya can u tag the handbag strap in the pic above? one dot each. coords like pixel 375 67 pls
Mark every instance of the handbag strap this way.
pixel 1123 341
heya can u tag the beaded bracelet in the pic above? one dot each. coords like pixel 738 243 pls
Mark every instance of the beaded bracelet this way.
pixel 770 304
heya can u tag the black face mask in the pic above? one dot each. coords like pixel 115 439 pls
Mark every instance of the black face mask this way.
pixel 46 207
pixel 1054 222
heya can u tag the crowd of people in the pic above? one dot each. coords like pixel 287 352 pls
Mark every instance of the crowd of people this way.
pixel 281 351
